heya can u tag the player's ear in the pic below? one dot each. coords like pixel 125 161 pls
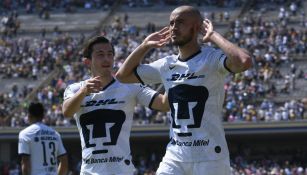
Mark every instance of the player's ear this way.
pixel 197 26
pixel 196 29
pixel 86 61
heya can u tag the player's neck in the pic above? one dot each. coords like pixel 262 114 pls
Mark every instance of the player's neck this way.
pixel 105 80
pixel 188 50
pixel 34 120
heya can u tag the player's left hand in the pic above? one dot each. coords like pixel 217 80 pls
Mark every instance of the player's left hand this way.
pixel 206 30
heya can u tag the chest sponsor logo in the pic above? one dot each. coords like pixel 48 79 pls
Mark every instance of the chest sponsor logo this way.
pixel 101 102
pixel 188 76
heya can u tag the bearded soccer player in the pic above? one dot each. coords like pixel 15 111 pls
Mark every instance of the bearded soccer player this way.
pixel 194 82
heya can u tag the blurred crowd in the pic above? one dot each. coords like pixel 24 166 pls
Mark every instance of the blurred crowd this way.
pixel 270 160
pixel 277 44
pixel 9 24
pixel 32 60
pixel 44 7
pixel 266 167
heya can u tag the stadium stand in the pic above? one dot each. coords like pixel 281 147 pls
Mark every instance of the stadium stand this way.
pixel 40 51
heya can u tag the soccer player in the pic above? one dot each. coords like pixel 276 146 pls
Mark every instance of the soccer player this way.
pixel 194 81
pixel 40 146
pixel 103 109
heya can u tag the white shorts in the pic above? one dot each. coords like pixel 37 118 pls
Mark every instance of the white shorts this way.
pixel 216 167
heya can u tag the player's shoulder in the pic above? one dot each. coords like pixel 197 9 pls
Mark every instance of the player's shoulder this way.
pixel 166 59
pixel 50 130
pixel 130 87
pixel 209 50
pixel 170 58
pixel 76 85
pixel 46 127
pixel 29 131
pixel 164 62
pixel 72 89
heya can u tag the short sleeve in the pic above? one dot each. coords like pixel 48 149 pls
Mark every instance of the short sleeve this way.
pixel 23 145
pixel 71 90
pixel 61 150
pixel 146 95
pixel 149 73
pixel 220 58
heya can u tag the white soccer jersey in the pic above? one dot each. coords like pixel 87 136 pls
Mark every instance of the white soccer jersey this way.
pixel 104 123
pixel 44 145
pixel 196 93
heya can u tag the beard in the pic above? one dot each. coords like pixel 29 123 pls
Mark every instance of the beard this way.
pixel 184 39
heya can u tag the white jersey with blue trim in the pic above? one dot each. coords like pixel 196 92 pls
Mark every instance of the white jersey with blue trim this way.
pixel 195 90
pixel 44 145
pixel 104 123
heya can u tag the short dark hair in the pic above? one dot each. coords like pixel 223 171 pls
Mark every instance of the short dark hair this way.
pixel 36 110
pixel 88 49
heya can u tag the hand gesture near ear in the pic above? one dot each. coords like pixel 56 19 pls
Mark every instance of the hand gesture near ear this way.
pixel 157 39
pixel 207 30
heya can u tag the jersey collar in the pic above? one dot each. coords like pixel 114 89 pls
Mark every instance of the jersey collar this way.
pixel 109 84
pixel 190 57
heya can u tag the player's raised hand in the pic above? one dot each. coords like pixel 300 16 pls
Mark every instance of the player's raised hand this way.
pixel 92 85
pixel 157 39
pixel 206 30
